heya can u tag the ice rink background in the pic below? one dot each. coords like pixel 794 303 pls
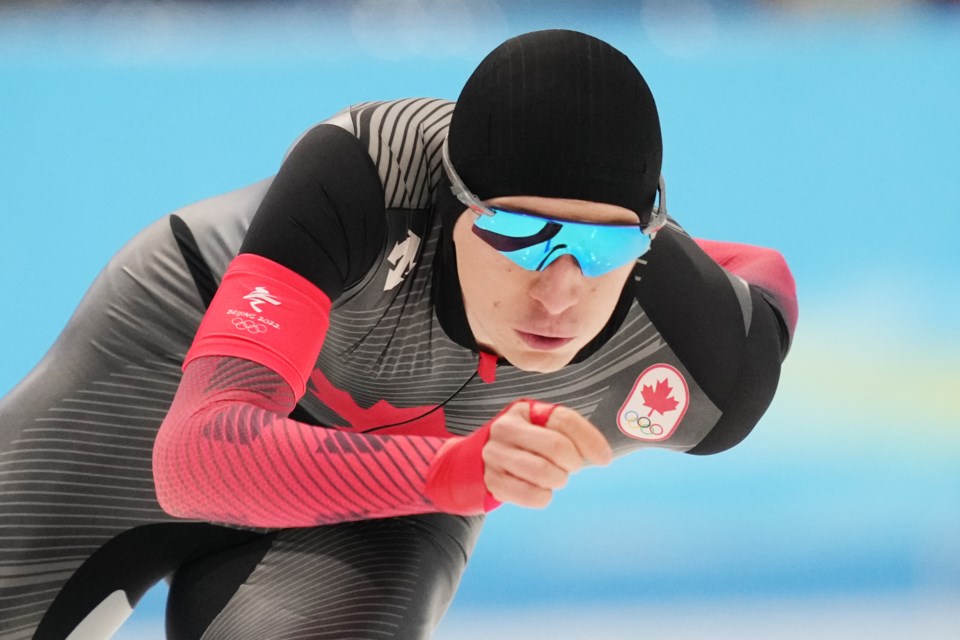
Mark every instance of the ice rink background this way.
pixel 831 135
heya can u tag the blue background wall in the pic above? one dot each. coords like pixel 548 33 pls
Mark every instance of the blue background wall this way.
pixel 831 136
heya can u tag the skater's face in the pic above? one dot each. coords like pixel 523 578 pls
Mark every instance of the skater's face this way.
pixel 538 319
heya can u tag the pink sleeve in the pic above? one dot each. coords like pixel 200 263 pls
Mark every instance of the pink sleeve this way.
pixel 227 452
pixel 764 268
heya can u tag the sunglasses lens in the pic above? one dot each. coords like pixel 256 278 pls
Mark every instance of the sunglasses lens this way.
pixel 601 248
pixel 534 242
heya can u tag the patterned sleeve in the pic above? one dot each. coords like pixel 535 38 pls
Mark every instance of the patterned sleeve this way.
pixel 227 453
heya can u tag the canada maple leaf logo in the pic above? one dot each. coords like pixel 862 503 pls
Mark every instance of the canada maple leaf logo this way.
pixel 660 392
pixel 659 398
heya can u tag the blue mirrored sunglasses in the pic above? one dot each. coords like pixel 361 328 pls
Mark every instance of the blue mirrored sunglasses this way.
pixel 534 242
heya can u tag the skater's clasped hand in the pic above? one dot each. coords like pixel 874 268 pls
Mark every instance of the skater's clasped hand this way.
pixel 525 462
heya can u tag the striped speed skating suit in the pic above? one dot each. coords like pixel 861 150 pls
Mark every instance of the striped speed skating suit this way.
pixel 324 529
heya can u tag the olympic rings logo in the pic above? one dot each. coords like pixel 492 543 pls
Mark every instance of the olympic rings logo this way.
pixel 646 426
pixel 248 325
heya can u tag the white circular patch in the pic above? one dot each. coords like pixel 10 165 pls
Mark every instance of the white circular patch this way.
pixel 656 404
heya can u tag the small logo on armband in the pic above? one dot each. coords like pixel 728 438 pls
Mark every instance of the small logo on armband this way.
pixel 255 322
pixel 248 325
pixel 656 404
pixel 260 296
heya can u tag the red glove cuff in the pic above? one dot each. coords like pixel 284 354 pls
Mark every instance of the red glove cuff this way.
pixel 455 480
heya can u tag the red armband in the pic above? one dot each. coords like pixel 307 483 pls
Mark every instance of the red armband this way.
pixel 268 314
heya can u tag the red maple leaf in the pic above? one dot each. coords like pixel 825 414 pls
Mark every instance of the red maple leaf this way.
pixel 658 398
